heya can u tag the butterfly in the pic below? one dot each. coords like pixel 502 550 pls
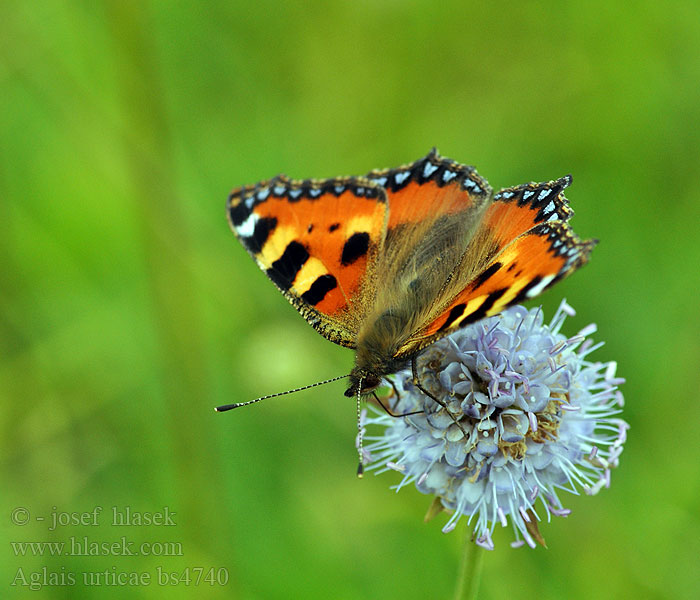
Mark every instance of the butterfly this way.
pixel 390 262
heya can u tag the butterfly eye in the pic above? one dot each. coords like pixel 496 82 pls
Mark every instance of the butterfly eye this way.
pixel 366 384
pixel 369 383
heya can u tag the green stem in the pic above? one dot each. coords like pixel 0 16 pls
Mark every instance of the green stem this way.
pixel 469 573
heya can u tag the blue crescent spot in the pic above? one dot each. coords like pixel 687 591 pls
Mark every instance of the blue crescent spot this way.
pixel 448 176
pixel 399 178
pixel 472 185
pixel 429 169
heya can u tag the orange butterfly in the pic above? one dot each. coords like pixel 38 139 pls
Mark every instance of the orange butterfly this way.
pixel 393 261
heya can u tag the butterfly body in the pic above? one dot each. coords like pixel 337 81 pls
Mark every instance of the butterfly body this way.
pixel 392 261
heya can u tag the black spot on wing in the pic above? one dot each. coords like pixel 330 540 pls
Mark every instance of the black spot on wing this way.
pixel 333 227
pixel 480 312
pixel 455 314
pixel 486 275
pixel 355 247
pixel 319 289
pixel 285 268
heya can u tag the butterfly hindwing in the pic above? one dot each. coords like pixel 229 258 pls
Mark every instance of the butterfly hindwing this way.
pixel 531 246
pixel 435 205
pixel 318 242
pixel 430 188
pixel 518 209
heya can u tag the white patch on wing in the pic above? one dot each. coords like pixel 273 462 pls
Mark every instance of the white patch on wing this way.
pixel 540 286
pixel 247 228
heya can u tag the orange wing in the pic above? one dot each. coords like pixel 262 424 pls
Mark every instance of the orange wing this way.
pixel 534 248
pixel 430 187
pixel 425 243
pixel 435 207
pixel 317 241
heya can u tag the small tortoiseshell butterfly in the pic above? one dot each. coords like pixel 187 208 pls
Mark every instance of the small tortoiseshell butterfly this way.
pixel 393 261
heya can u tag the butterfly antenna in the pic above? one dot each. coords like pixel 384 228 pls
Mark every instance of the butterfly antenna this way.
pixel 226 407
pixel 360 466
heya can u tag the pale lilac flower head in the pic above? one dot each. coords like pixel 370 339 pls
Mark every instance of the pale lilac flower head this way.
pixel 525 415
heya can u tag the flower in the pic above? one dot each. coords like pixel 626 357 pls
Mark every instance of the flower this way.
pixel 521 413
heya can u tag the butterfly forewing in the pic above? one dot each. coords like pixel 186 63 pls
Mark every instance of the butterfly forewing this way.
pixel 318 242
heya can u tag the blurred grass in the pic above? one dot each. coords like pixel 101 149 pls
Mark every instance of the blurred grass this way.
pixel 128 310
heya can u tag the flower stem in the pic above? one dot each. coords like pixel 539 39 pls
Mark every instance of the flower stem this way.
pixel 469 573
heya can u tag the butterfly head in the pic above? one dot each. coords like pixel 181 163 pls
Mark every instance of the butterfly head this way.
pixel 363 381
pixel 375 358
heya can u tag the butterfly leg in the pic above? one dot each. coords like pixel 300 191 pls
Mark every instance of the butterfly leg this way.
pixel 391 414
pixel 393 385
pixel 418 384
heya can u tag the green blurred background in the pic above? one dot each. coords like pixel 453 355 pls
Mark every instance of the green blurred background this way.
pixel 128 310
